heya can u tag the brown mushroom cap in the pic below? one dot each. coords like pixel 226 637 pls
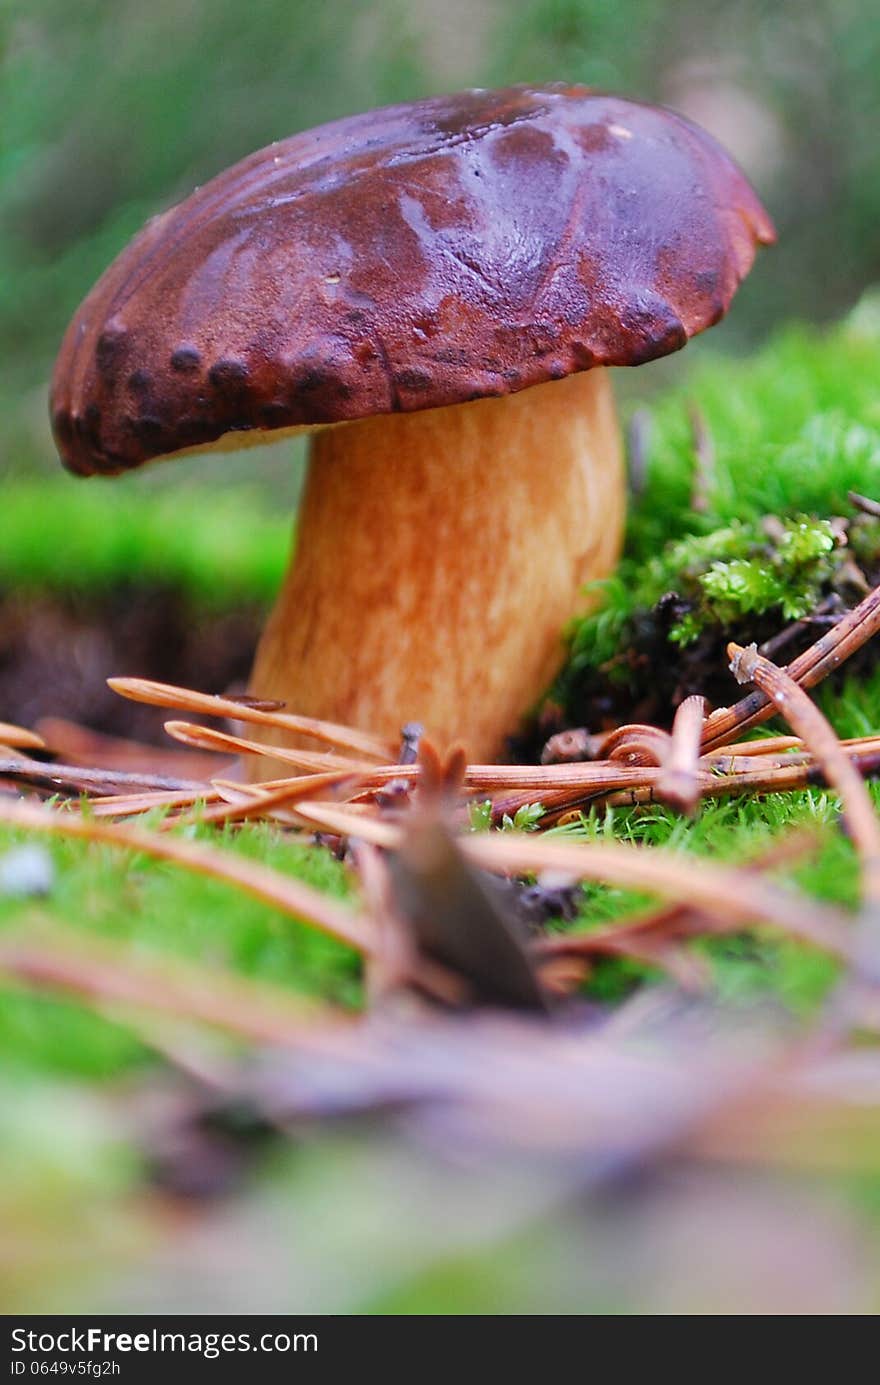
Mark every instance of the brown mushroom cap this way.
pixel 409 258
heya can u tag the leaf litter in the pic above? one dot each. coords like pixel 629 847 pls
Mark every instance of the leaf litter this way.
pixel 475 1028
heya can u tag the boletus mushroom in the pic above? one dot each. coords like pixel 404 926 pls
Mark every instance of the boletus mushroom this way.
pixel 434 291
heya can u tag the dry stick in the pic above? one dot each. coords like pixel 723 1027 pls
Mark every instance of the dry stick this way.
pixel 704 459
pixel 166 695
pixel 266 802
pixel 680 780
pixel 804 717
pixel 604 775
pixel 17 738
pixel 729 894
pixel 864 503
pixel 206 738
pixel 76 780
pixel 791 847
pixel 771 745
pixel 725 776
pixel 777 779
pixel 127 805
pixel 767 745
pixel 650 739
pixel 556 789
pixel 104 974
pixel 808 669
pixel 566 787
pixel 130 805
pixel 262 882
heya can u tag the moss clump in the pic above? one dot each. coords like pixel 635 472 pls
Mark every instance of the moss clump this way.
pixel 793 432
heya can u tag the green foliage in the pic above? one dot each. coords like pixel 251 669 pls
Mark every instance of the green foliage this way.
pixel 774 454
pixel 480 815
pixel 793 431
pixel 743 966
pixel 219 547
pixel 785 574
pixel 525 819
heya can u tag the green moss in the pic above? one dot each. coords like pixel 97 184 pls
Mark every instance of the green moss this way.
pixel 219 547
pixel 793 431
pixel 154 909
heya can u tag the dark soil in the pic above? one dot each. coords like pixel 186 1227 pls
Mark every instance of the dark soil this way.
pixel 56 652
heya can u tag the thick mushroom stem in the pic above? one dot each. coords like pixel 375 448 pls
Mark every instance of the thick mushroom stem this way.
pixel 439 556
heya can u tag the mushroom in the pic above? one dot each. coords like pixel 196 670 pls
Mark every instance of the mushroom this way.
pixel 434 292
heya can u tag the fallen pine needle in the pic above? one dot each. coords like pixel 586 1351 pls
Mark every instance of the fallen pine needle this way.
pixel 184 699
pixel 17 738
pixel 734 895
pixel 851 632
pixel 726 893
pixel 266 802
pixel 74 779
pixel 106 975
pixel 262 882
pixel 129 805
pixel 679 781
pixel 206 738
pixel 805 718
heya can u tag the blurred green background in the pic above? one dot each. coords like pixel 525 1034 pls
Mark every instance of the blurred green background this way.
pixel 111 110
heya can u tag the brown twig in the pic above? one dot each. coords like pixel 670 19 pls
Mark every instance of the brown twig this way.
pixel 17 738
pixel 805 718
pixel 73 779
pixel 265 803
pixel 104 974
pixel 680 780
pixel 864 503
pixel 165 695
pixel 269 886
pixel 777 779
pixel 853 630
pixel 132 805
pixel 313 761
pixel 727 893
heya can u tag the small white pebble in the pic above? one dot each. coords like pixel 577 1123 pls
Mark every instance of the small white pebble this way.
pixel 26 871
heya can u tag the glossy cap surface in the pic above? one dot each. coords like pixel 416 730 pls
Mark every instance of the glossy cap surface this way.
pixel 409 258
